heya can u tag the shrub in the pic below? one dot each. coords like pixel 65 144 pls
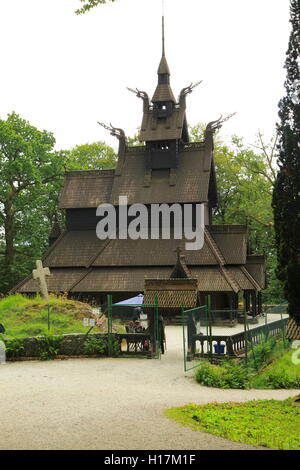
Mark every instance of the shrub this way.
pixel 262 354
pixel 49 346
pixel 278 378
pixel 94 345
pixel 229 375
pixel 14 347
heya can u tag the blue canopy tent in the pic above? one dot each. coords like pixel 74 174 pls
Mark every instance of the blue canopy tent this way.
pixel 138 300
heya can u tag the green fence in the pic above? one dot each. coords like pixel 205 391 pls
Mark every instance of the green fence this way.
pixel 192 320
pixel 132 337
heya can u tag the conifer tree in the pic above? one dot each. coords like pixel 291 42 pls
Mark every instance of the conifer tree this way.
pixel 286 196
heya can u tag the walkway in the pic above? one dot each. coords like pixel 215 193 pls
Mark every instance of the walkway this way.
pixel 107 403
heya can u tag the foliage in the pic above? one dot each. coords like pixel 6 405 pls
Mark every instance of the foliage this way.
pixel 14 347
pixel 95 156
pixel 268 423
pixel 29 166
pixel 49 346
pixel 286 196
pixel 269 366
pixel 264 352
pixel 282 373
pixel 32 175
pixel 94 345
pixel 245 178
pixel 228 375
pixel 89 4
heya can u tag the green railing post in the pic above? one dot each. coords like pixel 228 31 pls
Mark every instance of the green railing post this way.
pixel 158 332
pixel 246 337
pixel 209 324
pixel 282 329
pixel 49 318
pixel 109 325
pixel 183 335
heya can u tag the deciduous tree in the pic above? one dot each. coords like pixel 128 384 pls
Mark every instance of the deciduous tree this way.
pixel 32 174
pixel 89 4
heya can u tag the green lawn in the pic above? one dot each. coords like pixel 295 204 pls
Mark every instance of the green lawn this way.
pixel 281 373
pixel 22 316
pixel 267 423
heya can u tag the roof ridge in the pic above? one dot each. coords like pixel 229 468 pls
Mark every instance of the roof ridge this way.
pixel 251 279
pixel 215 249
pixel 230 279
pixel 57 241
pixel 80 279
pixel 101 249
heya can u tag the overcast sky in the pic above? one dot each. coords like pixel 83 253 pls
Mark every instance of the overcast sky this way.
pixel 64 72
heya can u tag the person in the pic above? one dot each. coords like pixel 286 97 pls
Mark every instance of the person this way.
pixel 161 327
pixel 2 329
pixel 130 327
pixel 137 312
pixel 138 328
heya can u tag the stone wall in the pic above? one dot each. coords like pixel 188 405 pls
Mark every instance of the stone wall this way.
pixel 67 345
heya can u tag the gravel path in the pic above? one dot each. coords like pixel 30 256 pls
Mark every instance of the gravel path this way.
pixel 107 403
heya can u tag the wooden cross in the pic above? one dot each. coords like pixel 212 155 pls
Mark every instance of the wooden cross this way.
pixel 40 273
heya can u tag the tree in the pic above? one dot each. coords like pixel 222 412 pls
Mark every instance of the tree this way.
pixel 89 4
pixel 32 175
pixel 245 178
pixel 95 156
pixel 286 196
pixel 28 164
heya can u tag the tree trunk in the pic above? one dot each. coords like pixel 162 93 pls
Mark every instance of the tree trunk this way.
pixel 9 243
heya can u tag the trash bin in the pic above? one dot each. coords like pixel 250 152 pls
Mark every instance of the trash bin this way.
pixel 219 348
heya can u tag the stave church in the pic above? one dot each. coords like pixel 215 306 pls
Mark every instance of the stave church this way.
pixel 166 168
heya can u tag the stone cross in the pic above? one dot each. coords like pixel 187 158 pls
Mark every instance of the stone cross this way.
pixel 40 273
pixel 2 353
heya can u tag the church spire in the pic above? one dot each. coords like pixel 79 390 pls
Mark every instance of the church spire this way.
pixel 163 35
pixel 163 92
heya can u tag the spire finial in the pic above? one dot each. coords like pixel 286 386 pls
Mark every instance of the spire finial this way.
pixel 163 28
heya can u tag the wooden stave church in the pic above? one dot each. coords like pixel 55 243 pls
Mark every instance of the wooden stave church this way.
pixel 165 168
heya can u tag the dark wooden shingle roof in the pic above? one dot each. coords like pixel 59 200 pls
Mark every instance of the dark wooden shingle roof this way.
pixel 86 189
pixel 192 179
pixel 232 241
pixel 256 266
pixel 84 249
pixel 293 330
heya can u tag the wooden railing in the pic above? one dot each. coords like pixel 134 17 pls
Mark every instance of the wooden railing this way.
pixel 234 345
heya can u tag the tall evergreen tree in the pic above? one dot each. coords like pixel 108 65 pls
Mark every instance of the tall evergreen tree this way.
pixel 286 196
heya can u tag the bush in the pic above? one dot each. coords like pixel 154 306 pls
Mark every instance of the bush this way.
pixel 263 353
pixel 279 378
pixel 99 346
pixel 49 346
pixel 95 346
pixel 229 375
pixel 14 347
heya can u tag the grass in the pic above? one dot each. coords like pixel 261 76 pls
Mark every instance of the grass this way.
pixel 281 373
pixel 23 316
pixel 270 366
pixel 267 423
